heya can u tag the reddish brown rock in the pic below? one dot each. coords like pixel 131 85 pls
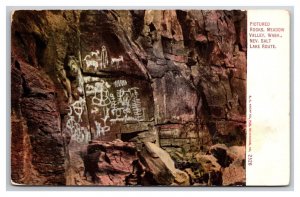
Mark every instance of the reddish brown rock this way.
pixel 232 159
pixel 37 117
pixel 160 165
pixel 110 163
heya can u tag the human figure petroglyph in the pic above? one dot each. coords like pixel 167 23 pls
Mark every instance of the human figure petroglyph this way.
pixel 78 133
pixel 73 126
pixel 103 57
pixel 78 107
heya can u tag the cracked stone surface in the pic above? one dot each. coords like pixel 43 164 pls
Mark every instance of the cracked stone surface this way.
pixel 119 80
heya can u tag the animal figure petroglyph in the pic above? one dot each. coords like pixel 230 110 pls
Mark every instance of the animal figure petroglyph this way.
pixel 101 130
pixel 91 60
pixel 96 53
pixel 117 61
pixel 97 59
pixel 92 63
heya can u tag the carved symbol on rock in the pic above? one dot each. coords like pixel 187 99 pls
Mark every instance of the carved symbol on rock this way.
pixel 98 59
pixel 78 107
pixel 101 97
pixel 91 60
pixel 117 61
pixel 78 133
pixel 120 83
pixel 137 106
pixel 103 57
pixel 101 130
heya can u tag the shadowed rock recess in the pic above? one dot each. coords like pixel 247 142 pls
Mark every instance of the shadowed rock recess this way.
pixel 128 97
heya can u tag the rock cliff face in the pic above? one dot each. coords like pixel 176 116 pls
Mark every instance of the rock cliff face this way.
pixel 128 97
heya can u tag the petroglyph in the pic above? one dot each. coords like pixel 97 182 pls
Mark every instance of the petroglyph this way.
pixel 97 59
pixel 111 105
pixel 101 130
pixel 116 61
pixel 101 94
pixel 78 107
pixel 78 133
pixel 96 53
pixel 120 83
pixel 95 110
pixel 103 57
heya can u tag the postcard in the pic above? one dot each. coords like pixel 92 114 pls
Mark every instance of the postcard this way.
pixel 150 97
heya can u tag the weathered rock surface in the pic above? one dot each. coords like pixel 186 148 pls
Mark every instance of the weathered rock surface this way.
pixel 37 138
pixel 110 163
pixel 172 78
pixel 232 159
pixel 160 165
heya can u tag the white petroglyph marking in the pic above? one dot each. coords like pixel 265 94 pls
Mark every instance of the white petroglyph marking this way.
pixel 95 110
pixel 91 60
pixel 137 107
pixel 97 59
pixel 74 128
pixel 101 130
pixel 101 94
pixel 116 61
pixel 92 63
pixel 78 108
pixel 96 53
pixel 106 116
pixel 89 90
pixel 87 57
pixel 103 57
pixel 78 133
pixel 120 83
pixel 123 105
pixel 88 79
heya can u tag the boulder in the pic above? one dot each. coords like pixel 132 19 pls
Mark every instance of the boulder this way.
pixel 232 159
pixel 161 166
